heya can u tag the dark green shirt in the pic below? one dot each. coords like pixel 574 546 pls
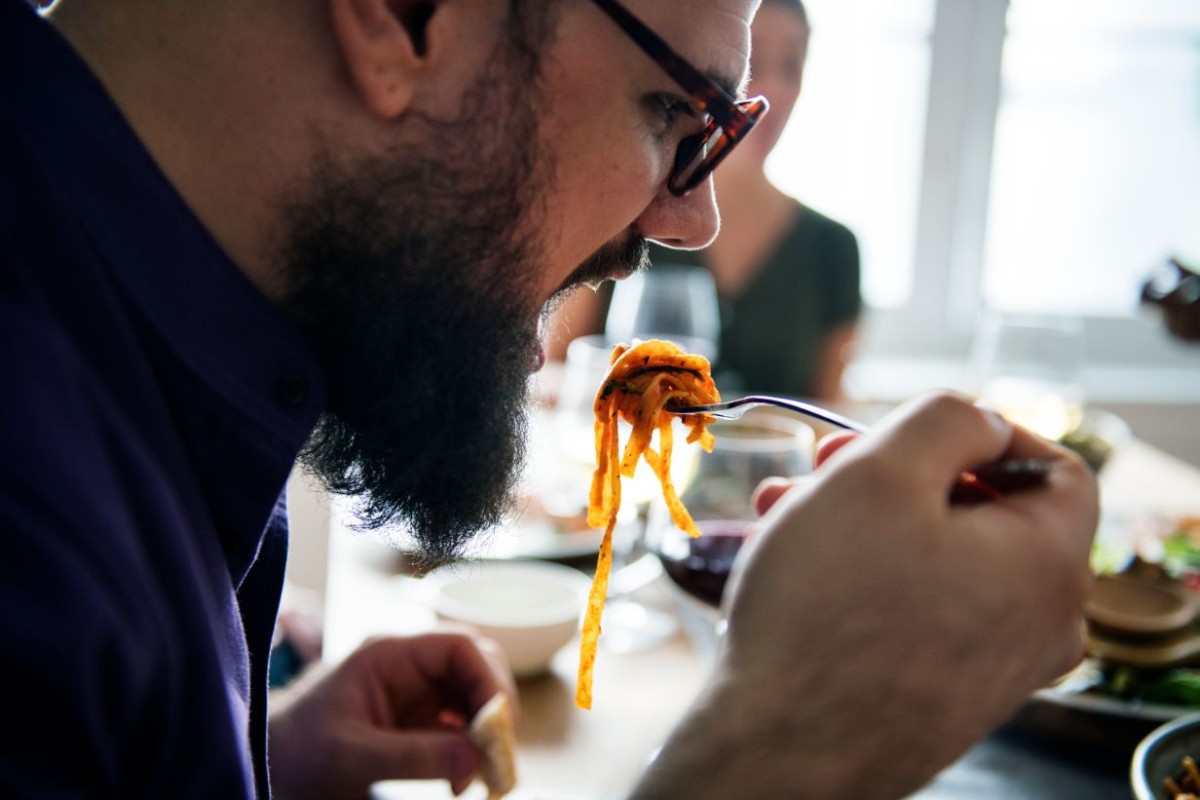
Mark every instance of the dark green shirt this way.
pixel 771 331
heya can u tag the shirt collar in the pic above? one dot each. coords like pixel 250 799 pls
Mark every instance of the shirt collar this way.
pixel 193 295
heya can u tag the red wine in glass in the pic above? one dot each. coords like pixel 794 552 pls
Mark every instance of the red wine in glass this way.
pixel 701 566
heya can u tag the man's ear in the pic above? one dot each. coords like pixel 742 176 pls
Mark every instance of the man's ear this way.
pixel 383 43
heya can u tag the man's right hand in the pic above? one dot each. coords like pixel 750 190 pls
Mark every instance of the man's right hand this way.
pixel 395 708
pixel 875 630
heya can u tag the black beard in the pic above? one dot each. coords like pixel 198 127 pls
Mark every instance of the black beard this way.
pixel 413 284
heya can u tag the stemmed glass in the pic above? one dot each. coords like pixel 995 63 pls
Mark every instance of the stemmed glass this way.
pixel 1030 370
pixel 668 301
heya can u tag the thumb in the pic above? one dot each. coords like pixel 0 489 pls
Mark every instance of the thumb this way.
pixel 419 755
pixel 939 436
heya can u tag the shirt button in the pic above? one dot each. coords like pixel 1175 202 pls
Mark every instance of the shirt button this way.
pixel 292 389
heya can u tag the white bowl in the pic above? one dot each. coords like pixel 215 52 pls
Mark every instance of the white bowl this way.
pixel 530 608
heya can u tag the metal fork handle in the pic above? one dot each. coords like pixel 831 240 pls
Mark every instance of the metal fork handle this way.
pixel 743 404
pixel 987 482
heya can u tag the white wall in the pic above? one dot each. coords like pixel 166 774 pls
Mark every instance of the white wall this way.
pixel 1174 428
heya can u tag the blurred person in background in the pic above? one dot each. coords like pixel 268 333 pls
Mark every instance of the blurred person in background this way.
pixel 788 276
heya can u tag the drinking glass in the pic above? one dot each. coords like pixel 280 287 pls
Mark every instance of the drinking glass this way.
pixel 760 445
pixel 667 301
pixel 1030 370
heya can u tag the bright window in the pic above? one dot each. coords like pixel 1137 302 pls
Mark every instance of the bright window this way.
pixel 853 147
pixel 1096 172
pixel 1012 155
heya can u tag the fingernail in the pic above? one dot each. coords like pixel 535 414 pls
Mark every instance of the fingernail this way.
pixel 773 484
pixel 997 421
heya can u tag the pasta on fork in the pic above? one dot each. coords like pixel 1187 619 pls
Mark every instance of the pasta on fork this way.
pixel 642 381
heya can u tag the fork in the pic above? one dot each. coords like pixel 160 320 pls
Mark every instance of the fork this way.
pixel 735 409
pixel 987 482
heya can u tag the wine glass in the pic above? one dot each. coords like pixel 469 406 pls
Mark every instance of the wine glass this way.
pixel 760 445
pixel 1030 370
pixel 668 301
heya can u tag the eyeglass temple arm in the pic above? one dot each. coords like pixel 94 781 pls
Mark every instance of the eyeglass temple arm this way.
pixel 715 100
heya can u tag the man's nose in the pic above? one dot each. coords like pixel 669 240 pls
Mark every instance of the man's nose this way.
pixel 690 221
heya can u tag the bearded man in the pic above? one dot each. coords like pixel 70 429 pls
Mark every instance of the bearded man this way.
pixel 236 232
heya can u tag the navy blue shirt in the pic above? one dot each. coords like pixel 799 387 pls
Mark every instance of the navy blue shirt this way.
pixel 151 405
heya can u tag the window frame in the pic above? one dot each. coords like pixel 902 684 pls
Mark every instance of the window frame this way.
pixel 927 341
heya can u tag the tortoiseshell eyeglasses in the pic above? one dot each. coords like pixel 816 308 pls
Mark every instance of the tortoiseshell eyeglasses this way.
pixel 727 120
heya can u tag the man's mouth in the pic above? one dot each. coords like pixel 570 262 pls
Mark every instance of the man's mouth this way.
pixel 618 275
pixel 614 261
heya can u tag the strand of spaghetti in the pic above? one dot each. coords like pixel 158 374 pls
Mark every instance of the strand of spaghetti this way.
pixel 662 389
pixel 679 514
pixel 639 438
pixel 614 471
pixel 590 638
pixel 611 480
pixel 662 467
pixel 648 408
pixel 699 433
pixel 600 499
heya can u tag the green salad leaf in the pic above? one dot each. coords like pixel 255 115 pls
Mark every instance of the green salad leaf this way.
pixel 1175 687
pixel 1180 552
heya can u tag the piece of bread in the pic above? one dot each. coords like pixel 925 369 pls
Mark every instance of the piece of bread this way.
pixel 492 731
